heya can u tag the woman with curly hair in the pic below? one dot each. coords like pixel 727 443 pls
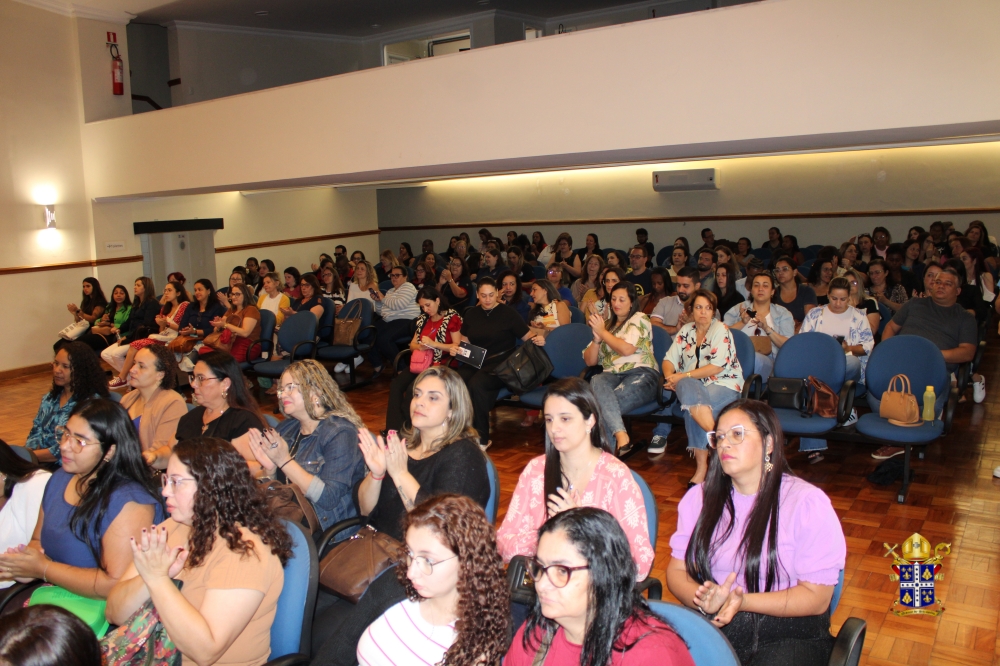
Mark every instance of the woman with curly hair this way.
pixel 316 446
pixel 588 611
pixel 225 544
pixel 76 376
pixel 456 606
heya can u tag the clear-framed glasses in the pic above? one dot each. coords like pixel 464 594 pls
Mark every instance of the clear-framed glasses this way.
pixel 424 565
pixel 783 269
pixel 174 481
pixel 65 435
pixel 734 436
pixel 195 380
pixel 558 574
pixel 287 388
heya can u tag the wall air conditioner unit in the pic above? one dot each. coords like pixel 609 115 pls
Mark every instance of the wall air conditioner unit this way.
pixel 686 180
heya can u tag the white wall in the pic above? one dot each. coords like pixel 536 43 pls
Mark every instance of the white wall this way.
pixel 99 100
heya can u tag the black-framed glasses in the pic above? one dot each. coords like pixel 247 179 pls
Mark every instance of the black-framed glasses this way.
pixel 733 436
pixel 558 574
pixel 424 565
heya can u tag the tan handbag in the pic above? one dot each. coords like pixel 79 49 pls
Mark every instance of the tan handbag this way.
pixel 182 344
pixel 761 344
pixel 344 329
pixel 899 406
pixel 352 565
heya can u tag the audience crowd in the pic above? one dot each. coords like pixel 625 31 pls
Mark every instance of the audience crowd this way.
pixel 156 499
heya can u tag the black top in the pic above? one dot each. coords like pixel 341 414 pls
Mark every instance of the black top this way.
pixel 232 424
pixel 141 315
pixel 497 330
pixel 643 283
pixel 734 297
pixel 201 321
pixel 454 302
pixel 527 273
pixel 458 468
pixel 305 306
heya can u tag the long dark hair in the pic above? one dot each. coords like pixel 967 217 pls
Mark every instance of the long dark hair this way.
pixel 113 305
pixel 614 324
pixel 15 468
pixel 582 396
pixel 182 297
pixel 606 297
pixel 95 299
pixel 212 294
pixel 87 377
pixel 550 292
pixel 712 530
pixel 224 366
pixel 612 597
pixel 518 293
pixel 227 499
pixel 46 635
pixel 112 427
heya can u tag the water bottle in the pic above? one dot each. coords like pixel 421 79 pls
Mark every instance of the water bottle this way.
pixel 929 399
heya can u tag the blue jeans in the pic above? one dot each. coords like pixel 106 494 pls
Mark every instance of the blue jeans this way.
pixel 853 373
pixel 620 393
pixel 693 393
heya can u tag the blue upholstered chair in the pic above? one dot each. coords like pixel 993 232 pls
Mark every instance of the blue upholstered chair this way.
pixel 291 630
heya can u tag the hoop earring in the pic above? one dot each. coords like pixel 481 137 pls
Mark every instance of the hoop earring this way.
pixel 767 463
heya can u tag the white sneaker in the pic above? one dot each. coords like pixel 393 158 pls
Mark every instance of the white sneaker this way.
pixel 996 472
pixel 852 419
pixel 979 390
pixel 340 367
pixel 657 445
pixel 358 360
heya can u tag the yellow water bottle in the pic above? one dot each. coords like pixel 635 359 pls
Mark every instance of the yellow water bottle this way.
pixel 929 399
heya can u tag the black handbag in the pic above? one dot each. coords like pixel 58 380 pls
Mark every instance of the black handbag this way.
pixel 788 394
pixel 525 369
pixel 520 582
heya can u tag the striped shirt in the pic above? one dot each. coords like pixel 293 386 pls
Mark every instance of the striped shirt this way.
pixel 401 636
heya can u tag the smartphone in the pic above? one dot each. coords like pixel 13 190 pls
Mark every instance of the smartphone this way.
pixel 193 334
pixel 372 292
pixel 839 338
pixel 752 313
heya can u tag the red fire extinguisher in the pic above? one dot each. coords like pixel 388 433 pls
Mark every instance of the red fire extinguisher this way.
pixel 117 71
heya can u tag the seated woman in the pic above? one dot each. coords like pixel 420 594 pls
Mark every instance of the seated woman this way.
pixel 455 285
pixel 820 274
pixel 23 486
pixel 311 300
pixel 238 329
pixel 769 591
pixel 496 328
pixel 790 244
pixel 272 299
pixel 702 369
pixel 292 279
pixel 197 320
pixel 363 283
pixel 860 300
pixel 386 261
pixel 492 264
pixel 797 299
pixel 512 294
pixel 742 255
pixel 679 258
pixel 588 610
pixel 333 287
pixel 578 469
pixel 316 445
pixel 598 301
pixel 558 277
pixel 228 548
pixel 174 302
pixel 140 323
pixel 102 496
pixel 438 330
pixel 565 257
pixel 725 289
pixel 518 266
pixel 101 332
pixel 225 407
pixel 762 317
pixel 851 257
pixel 433 264
pixel 423 277
pixel 153 405
pixel 589 278
pixel 725 255
pixel 661 288
pixel 76 376
pixel 405 256
pixel 238 276
pixel 456 607
pixel 91 308
pixel 623 347
pixel 884 289
pixel 46 635
pixel 549 311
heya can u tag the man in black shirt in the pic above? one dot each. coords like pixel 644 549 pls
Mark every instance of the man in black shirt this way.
pixel 640 275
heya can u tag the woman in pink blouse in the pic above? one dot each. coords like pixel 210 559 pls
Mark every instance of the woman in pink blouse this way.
pixel 758 550
pixel 578 469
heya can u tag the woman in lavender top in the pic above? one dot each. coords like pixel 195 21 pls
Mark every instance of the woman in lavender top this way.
pixel 758 550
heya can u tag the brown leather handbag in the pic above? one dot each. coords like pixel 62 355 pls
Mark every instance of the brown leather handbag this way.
pixel 823 402
pixel 289 502
pixel 352 565
pixel 899 405
pixel 346 327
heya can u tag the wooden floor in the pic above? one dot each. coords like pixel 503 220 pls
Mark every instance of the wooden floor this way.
pixel 954 499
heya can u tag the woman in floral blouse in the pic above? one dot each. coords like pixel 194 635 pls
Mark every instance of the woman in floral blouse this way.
pixel 578 469
pixel 701 368
pixel 623 347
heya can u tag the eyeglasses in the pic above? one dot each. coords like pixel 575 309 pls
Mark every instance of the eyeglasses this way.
pixel 195 380
pixel 174 481
pixel 63 434
pixel 396 275
pixel 424 565
pixel 734 436
pixel 636 255
pixel 783 269
pixel 558 574
pixel 287 388
pixel 946 283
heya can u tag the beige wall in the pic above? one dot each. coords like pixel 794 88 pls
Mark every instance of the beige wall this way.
pixel 764 76
pixel 99 101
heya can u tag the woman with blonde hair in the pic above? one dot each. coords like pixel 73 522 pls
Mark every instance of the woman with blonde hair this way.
pixel 386 261
pixel 315 447
pixel 363 282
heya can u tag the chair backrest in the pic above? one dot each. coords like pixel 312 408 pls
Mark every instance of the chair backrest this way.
pixel 812 353
pixel 661 343
pixel 385 285
pixel 324 329
pixel 564 347
pixel 190 405
pixel 708 645
pixel 291 630
pixel 271 421
pixel 607 250
pixel 114 396
pixel 24 452
pixel 267 323
pixel 300 327
pixel 838 589
pixel 762 253
pixel 576 315
pixel 493 505
pixel 917 358
pixel 539 271
pixel 652 511
pixel 744 352
pixel 885 314
pixel 664 256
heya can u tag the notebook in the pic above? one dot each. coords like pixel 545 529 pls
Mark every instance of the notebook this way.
pixel 471 354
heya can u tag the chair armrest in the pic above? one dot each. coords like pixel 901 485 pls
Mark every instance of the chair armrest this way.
pixel 326 541
pixel 846 401
pixel 290 660
pixel 253 344
pixel 964 375
pixel 850 640
pixel 654 587
pixel 748 387
pixel 663 399
pixel 295 349
pixel 9 594
pixel 589 372
pixel 949 408
pixel 402 357
pixel 364 346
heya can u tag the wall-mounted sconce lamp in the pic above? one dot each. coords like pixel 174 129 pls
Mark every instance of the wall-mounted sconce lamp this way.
pixel 50 217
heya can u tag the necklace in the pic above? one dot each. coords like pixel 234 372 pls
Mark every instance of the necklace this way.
pixel 490 311
pixel 587 474
pixel 205 424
